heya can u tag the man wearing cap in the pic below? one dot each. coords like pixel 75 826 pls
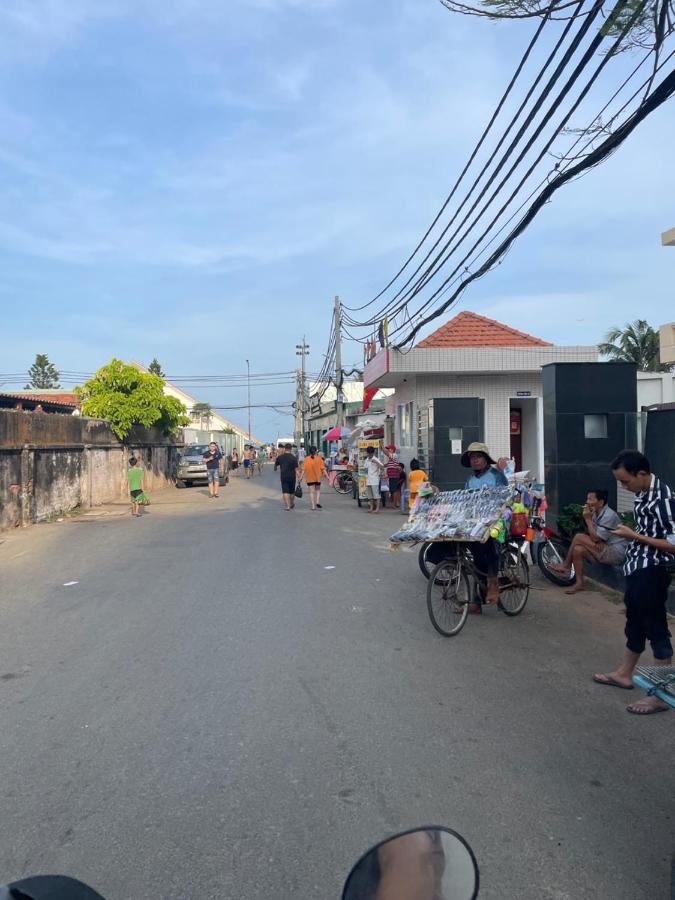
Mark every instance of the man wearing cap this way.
pixel 485 473
pixel 392 471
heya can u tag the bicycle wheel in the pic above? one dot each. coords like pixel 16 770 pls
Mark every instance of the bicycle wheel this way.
pixel 448 596
pixel 432 553
pixel 551 553
pixel 514 581
pixel 343 483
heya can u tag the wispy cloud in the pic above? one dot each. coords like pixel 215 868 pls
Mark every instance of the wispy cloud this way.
pixel 164 155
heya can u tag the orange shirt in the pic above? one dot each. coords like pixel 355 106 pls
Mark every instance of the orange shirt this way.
pixel 415 479
pixel 313 468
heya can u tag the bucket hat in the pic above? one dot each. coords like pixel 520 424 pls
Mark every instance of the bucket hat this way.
pixel 476 447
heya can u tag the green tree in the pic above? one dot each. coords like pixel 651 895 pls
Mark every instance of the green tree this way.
pixel 647 22
pixel 202 413
pixel 43 374
pixel 125 396
pixel 636 342
pixel 155 368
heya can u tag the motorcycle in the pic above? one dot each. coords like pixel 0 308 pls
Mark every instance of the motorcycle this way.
pixel 431 863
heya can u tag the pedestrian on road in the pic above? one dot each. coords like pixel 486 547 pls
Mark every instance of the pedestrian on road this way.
pixel 374 469
pixel 135 480
pixel 235 461
pixel 287 464
pixel 651 547
pixel 392 472
pixel 248 460
pixel 214 468
pixel 402 482
pixel 600 544
pixel 416 479
pixel 313 470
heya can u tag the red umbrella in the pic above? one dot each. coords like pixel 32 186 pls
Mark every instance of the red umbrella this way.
pixel 336 434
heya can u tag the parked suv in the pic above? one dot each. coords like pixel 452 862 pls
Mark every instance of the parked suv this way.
pixel 192 468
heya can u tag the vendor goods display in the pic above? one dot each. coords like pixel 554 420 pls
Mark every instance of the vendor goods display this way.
pixel 455 515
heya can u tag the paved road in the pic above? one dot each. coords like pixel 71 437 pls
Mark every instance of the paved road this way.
pixel 211 712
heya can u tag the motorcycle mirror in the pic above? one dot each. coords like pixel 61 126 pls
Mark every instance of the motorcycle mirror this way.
pixel 432 863
pixel 48 887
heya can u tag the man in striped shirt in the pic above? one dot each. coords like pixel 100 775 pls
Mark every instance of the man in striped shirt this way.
pixel 651 548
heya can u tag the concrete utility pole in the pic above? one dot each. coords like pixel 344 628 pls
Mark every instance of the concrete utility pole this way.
pixel 340 405
pixel 248 379
pixel 301 350
pixel 297 430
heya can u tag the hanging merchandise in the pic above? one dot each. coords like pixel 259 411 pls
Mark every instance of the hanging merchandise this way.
pixel 519 520
pixel 455 515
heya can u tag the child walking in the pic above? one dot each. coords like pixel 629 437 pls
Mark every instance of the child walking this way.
pixel 135 478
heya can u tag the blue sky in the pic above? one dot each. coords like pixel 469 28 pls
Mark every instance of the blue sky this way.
pixel 195 180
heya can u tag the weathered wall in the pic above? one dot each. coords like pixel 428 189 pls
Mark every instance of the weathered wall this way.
pixel 50 464
pixel 56 481
pixel 10 488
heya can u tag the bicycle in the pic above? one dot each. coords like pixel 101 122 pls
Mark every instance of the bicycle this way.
pixel 455 581
pixel 342 481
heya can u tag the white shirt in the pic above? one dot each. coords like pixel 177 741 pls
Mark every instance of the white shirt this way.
pixel 373 472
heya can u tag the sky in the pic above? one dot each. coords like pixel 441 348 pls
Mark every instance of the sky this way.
pixel 195 180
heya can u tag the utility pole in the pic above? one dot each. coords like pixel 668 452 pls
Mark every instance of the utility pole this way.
pixel 301 350
pixel 297 431
pixel 338 364
pixel 248 380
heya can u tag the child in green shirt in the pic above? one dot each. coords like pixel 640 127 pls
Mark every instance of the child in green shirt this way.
pixel 135 478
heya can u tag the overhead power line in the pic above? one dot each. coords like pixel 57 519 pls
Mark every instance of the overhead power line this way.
pixel 506 181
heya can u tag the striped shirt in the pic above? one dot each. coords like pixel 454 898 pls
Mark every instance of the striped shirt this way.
pixel 654 517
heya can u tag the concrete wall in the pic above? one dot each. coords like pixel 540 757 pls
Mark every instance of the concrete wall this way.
pixel 50 464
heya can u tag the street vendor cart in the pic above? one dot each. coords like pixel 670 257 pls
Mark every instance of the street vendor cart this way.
pixel 453 522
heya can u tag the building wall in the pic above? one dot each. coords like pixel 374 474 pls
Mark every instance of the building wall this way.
pixel 496 390
pixel 68 462
pixel 477 359
pixel 654 388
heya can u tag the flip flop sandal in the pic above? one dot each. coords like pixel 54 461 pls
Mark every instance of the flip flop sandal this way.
pixel 646 711
pixel 608 681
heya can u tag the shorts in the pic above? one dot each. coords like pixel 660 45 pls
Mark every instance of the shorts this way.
pixel 136 493
pixel 234 464
pixel 372 492
pixel 248 463
pixel 646 619
pixel 393 485
pixel 213 476
pixel 313 484
pixel 611 555
pixel 288 485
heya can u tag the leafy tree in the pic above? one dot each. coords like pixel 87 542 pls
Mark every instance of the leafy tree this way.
pixel 646 23
pixel 155 368
pixel 637 342
pixel 43 374
pixel 125 396
pixel 202 413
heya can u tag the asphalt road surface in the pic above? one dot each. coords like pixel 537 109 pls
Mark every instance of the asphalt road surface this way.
pixel 234 702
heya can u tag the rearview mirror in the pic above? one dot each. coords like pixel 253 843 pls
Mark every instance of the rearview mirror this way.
pixel 48 887
pixel 430 863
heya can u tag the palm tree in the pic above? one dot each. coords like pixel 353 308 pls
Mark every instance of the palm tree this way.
pixel 637 342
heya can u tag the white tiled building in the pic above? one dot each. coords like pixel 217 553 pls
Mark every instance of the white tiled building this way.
pixel 473 358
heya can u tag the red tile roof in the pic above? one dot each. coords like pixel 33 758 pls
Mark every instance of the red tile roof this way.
pixel 468 329
pixel 63 398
